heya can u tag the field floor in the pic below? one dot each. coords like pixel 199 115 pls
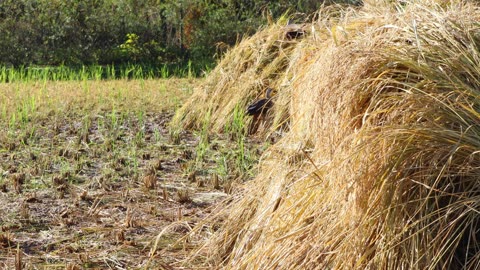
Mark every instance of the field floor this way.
pixel 91 178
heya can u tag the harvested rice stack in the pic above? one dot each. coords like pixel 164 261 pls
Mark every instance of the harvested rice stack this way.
pixel 256 63
pixel 380 166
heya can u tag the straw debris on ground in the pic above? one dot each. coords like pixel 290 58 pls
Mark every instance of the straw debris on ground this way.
pixel 378 164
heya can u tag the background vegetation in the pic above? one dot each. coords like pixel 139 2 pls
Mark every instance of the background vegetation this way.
pixel 150 33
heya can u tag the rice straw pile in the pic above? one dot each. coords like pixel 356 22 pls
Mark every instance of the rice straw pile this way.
pixel 380 166
pixel 243 74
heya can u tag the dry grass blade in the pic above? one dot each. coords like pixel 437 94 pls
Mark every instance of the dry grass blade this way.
pixel 18 259
pixel 183 196
pixel 150 181
pixel 155 252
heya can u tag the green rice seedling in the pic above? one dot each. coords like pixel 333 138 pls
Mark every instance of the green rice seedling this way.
pixel 84 74
pixel 21 74
pixel 181 71
pixel 164 72
pixel 222 167
pixel 157 135
pixel 204 141
pixel 98 72
pixel 68 75
pixel 13 75
pixel 114 121
pixel 140 138
pixel 26 108
pixel 132 159
pixel 55 76
pixel 175 136
pixel 12 123
pixel 236 129
pixel 190 73
pixel 27 134
pixel 111 72
pixel 22 113
pixel 64 168
pixel 244 160
pixel 127 71
pixel 138 73
pixel 206 70
pixel 201 151
pixel 149 73
pixel 3 74
pixel 92 72
pixel 85 129
pixel 45 75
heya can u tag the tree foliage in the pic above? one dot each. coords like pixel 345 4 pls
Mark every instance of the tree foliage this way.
pixel 82 32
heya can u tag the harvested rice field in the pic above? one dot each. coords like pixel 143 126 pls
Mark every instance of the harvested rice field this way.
pixel 92 178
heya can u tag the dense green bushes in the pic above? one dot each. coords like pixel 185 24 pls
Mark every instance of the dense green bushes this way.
pixel 152 32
